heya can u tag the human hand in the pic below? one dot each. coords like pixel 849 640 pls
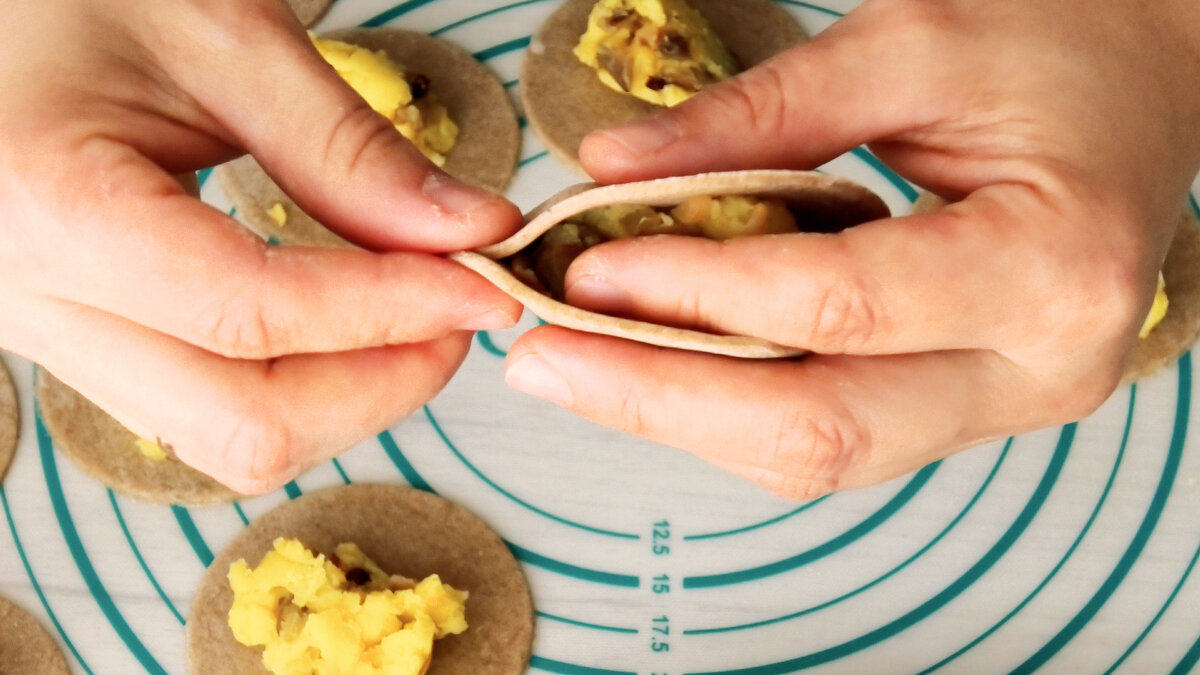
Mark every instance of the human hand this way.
pixel 1069 132
pixel 253 362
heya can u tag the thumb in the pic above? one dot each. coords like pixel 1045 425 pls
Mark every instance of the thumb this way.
pixel 801 108
pixel 342 162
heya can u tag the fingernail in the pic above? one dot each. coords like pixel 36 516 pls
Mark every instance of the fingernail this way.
pixel 492 319
pixel 598 293
pixel 532 375
pixel 454 197
pixel 646 136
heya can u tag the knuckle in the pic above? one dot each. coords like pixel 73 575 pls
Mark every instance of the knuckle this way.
pixel 843 319
pixel 758 98
pixel 1076 290
pixel 248 324
pixel 1125 303
pixel 919 22
pixel 1096 390
pixel 919 32
pixel 246 22
pixel 1076 398
pixel 1090 297
pixel 828 443
pixel 246 18
pixel 238 330
pixel 355 136
pixel 809 453
pixel 632 413
pixel 1100 297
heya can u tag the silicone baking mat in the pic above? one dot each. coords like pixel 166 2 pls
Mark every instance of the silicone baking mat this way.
pixel 1069 549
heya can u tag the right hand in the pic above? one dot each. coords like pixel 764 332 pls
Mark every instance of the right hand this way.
pixel 253 362
pixel 1067 132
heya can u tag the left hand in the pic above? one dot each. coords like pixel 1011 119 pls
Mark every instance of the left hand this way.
pixel 254 362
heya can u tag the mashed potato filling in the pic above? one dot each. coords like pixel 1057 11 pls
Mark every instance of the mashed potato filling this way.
pixel 151 450
pixel 403 100
pixel 277 214
pixel 661 51
pixel 1157 310
pixel 341 615
pixel 544 266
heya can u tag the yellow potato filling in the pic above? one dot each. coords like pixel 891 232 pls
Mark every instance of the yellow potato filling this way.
pixel 1157 310
pixel 661 51
pixel 544 266
pixel 340 615
pixel 277 214
pixel 150 450
pixel 402 99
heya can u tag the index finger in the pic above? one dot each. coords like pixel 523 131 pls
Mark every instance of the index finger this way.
pixel 988 273
pixel 167 261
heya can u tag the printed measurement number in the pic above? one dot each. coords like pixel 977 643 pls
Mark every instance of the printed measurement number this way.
pixel 660 538
pixel 660 626
pixel 660 632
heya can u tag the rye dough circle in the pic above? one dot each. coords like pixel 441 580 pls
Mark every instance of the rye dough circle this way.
pixel 485 155
pixel 407 532
pixel 1179 329
pixel 26 647
pixel 10 420
pixel 309 11
pixel 564 100
pixel 106 450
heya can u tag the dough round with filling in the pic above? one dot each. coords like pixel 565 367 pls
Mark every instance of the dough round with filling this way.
pixel 485 154
pixel 1179 329
pixel 406 532
pixel 106 451
pixel 820 202
pixel 564 100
